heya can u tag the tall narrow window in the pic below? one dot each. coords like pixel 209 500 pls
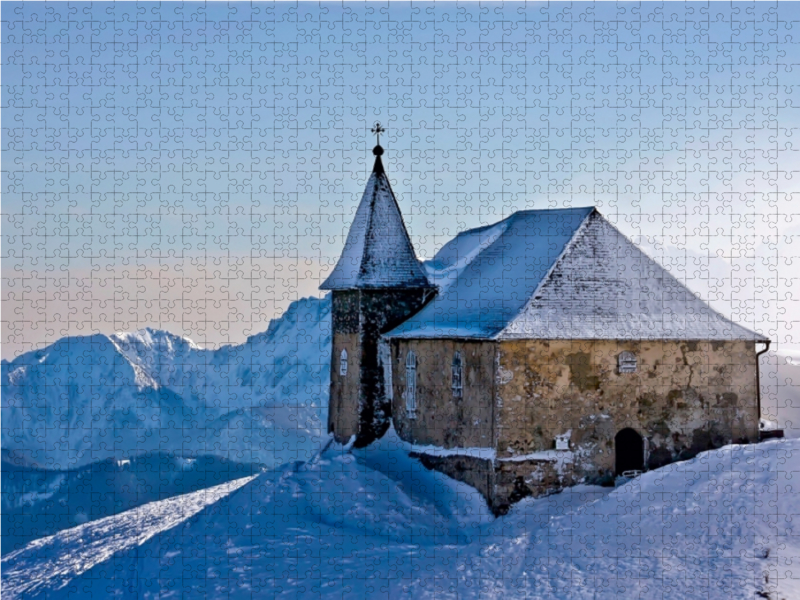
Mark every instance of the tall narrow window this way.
pixel 456 369
pixel 385 360
pixel 411 385
pixel 343 363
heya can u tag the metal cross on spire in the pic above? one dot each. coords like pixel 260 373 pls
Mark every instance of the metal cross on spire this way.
pixel 378 130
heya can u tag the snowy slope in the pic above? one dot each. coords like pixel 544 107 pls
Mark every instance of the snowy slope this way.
pixel 373 523
pixel 41 502
pixel 87 399
pixel 48 565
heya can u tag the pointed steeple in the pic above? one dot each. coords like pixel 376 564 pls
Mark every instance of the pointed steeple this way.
pixel 378 252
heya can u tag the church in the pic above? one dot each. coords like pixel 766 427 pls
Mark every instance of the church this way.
pixel 532 354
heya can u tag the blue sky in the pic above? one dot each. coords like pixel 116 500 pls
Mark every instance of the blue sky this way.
pixel 195 167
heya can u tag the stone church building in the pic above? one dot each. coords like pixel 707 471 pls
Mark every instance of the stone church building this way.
pixel 532 354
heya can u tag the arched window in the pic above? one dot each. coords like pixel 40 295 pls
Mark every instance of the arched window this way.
pixel 456 371
pixel 411 385
pixel 343 363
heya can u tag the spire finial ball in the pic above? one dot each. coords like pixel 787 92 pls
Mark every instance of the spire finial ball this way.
pixel 377 150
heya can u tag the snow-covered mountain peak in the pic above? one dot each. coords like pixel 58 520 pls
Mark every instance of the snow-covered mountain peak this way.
pixel 152 347
pixel 155 338
pixel 154 390
pixel 69 360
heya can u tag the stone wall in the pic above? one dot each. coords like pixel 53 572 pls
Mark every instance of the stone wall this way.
pixel 358 404
pixel 476 472
pixel 515 480
pixel 442 419
pixel 502 483
pixel 685 397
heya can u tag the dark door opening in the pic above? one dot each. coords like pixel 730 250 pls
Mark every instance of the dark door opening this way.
pixel 629 448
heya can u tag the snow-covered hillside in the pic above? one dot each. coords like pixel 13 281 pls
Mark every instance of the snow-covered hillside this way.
pixel 41 502
pixel 37 569
pixel 87 399
pixel 374 523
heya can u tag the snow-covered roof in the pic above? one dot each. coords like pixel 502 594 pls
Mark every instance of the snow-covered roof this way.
pixel 559 274
pixel 378 252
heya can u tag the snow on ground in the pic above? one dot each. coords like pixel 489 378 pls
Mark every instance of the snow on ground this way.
pixel 718 526
pixel 484 453
pixel 48 564
pixel 373 523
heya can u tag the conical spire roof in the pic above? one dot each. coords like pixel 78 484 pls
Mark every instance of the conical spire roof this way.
pixel 378 252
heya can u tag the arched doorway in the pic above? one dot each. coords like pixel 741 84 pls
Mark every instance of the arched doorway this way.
pixel 629 448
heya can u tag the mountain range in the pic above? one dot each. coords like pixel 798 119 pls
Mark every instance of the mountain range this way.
pixel 92 398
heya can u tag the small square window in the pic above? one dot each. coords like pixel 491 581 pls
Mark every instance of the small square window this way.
pixel 562 441
pixel 626 362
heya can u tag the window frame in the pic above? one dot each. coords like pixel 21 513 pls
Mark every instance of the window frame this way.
pixel 627 362
pixel 411 385
pixel 457 375
pixel 343 363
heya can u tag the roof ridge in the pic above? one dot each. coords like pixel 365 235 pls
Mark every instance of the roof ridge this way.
pixel 480 228
pixel 563 208
pixel 567 248
pixel 516 213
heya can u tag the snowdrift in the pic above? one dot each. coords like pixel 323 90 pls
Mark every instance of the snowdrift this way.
pixel 374 523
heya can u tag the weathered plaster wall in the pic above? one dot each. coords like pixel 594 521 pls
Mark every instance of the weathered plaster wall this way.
pixel 685 397
pixel 344 392
pixel 343 406
pixel 442 419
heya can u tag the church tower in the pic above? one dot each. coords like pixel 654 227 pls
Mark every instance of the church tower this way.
pixel 377 284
